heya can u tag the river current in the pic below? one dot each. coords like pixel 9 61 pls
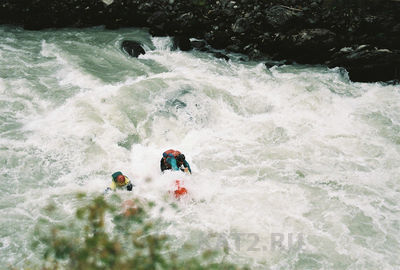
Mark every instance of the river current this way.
pixel 294 167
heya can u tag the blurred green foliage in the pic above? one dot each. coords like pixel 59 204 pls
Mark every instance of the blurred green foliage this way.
pixel 110 234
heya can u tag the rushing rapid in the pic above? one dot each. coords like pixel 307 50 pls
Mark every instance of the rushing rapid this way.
pixel 294 167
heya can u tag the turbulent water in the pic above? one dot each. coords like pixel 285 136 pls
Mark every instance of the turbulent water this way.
pixel 294 167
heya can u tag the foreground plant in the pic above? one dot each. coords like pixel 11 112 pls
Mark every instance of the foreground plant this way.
pixel 104 237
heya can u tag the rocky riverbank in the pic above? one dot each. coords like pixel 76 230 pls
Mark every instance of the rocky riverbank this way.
pixel 362 36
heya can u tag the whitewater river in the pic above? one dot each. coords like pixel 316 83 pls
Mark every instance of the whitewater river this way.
pixel 294 167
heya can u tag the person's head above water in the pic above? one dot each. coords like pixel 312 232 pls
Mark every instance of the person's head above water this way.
pixel 180 158
pixel 120 179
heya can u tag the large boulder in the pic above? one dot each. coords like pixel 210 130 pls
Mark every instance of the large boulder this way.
pixel 308 46
pixel 190 24
pixel 157 22
pixel 312 45
pixel 280 18
pixel 218 39
pixel 133 48
pixel 182 43
pixel 368 64
pixel 241 25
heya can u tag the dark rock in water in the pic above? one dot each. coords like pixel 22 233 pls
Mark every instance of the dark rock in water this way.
pixel 182 43
pixel 220 55
pixel 133 48
pixel 270 63
pixel 233 48
pixel 218 39
pixel 267 42
pixel 199 45
pixel 367 64
pixel 311 45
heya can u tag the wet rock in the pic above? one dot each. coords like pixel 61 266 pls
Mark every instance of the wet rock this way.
pixel 218 39
pixel 233 48
pixel 281 18
pixel 190 24
pixel 182 43
pixel 133 48
pixel 367 64
pixel 240 26
pixel 220 55
pixel 157 17
pixel 312 45
pixel 158 21
pixel 199 45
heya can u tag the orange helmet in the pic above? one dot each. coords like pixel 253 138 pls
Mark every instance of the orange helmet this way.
pixel 121 179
